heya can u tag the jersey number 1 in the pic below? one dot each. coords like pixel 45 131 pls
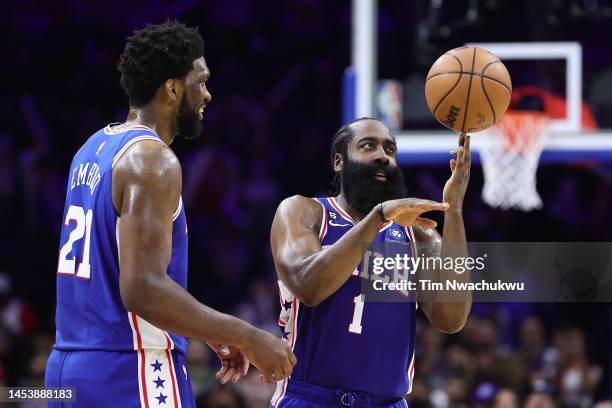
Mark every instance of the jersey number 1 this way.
pixel 82 229
pixel 355 326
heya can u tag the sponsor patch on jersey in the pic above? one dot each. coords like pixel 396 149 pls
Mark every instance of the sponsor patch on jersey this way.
pixel 397 234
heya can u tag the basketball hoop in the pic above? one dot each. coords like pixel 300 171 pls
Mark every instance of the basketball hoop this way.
pixel 510 152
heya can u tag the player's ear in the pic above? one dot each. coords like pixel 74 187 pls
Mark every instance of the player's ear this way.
pixel 338 162
pixel 171 90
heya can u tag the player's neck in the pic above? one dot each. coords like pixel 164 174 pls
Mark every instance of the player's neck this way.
pixel 355 215
pixel 149 117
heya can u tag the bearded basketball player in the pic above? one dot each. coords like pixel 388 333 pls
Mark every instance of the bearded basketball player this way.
pixel 352 352
pixel 123 311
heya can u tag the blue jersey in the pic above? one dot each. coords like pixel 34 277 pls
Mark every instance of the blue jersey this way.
pixel 90 313
pixel 346 342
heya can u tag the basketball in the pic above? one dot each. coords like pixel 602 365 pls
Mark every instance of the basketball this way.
pixel 468 89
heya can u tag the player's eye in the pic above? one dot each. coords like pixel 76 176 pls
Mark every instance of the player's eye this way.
pixel 391 149
pixel 367 145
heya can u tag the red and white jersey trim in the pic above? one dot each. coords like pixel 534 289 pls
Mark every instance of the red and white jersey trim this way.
pixel 340 210
pixel 177 212
pixel 109 130
pixel 147 336
pixel 144 334
pixel 290 319
pixel 385 226
pixel 415 254
pixel 332 201
pixel 410 373
pixel 157 379
pixel 323 229
pixel 413 244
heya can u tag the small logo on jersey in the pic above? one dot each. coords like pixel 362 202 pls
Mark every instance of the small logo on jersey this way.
pixel 100 147
pixel 397 234
pixel 333 215
pixel 333 224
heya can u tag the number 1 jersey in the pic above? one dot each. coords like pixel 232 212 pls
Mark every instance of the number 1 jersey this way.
pixel 90 314
pixel 347 342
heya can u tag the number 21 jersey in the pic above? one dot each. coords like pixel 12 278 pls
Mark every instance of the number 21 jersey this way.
pixel 90 314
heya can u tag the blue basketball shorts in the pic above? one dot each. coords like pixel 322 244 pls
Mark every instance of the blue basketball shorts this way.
pixel 296 394
pixel 144 379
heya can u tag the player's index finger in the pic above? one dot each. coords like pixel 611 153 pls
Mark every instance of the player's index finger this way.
pixel 468 153
pixel 461 139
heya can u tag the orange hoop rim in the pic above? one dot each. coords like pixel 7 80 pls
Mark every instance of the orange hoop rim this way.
pixel 522 130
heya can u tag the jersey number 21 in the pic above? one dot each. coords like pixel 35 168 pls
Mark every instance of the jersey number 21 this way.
pixel 67 266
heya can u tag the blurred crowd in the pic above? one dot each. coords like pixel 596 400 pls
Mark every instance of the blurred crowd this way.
pixel 499 363
pixel 505 357
pixel 276 71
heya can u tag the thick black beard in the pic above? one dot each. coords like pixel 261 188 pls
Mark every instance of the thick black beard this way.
pixel 189 125
pixel 362 191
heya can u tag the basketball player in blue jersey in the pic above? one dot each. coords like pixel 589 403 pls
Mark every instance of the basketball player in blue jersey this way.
pixel 352 352
pixel 123 312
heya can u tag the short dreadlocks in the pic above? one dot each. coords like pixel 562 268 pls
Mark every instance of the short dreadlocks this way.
pixel 155 54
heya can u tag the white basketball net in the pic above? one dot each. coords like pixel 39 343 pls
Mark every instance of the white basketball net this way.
pixel 510 152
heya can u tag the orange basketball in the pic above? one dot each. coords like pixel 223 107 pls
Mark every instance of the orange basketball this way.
pixel 468 89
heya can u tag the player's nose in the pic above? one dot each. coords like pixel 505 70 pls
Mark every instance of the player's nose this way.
pixel 382 156
pixel 207 96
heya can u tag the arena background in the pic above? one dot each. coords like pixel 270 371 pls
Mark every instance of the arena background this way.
pixel 277 78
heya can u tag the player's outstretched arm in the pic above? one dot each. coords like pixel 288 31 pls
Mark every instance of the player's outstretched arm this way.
pixel 448 310
pixel 146 192
pixel 313 273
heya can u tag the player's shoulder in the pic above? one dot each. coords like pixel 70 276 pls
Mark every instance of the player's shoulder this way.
pixel 149 158
pixel 299 203
pixel 306 209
